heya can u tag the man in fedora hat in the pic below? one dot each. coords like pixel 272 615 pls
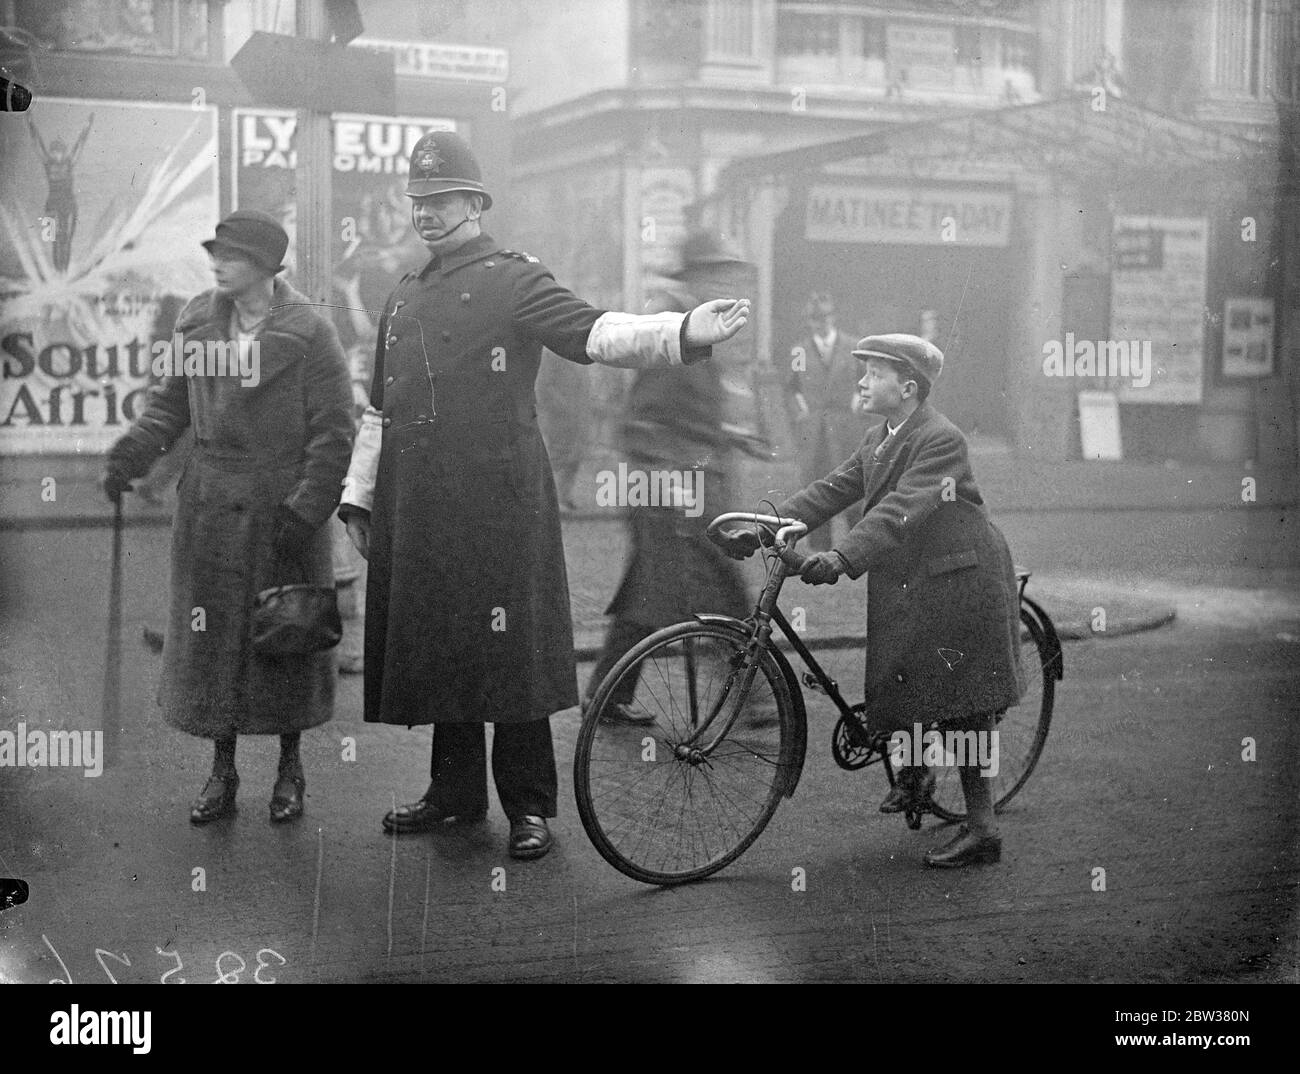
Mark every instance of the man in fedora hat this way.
pixel 675 423
pixel 943 631
pixel 270 452
pixel 450 496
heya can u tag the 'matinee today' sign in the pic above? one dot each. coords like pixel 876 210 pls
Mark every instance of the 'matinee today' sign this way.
pixel 910 216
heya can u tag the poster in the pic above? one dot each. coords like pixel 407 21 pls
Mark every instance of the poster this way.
pixel 1248 337
pixel 103 205
pixel 374 243
pixel 1158 297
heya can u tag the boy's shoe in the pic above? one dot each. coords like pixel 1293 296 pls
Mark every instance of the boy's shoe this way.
pixel 966 849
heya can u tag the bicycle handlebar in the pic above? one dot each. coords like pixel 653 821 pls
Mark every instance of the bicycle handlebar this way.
pixel 788 530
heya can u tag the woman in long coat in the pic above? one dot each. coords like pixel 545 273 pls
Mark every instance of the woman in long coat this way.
pixel 272 442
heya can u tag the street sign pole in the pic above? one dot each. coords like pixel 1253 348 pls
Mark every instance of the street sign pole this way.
pixel 315 227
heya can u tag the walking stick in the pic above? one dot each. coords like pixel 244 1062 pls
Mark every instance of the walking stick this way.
pixel 111 713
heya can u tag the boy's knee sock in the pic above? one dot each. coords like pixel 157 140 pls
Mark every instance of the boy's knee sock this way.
pixel 977 789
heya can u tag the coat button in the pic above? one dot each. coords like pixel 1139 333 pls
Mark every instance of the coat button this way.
pixel 388 422
pixel 390 380
pixel 900 677
pixel 446 336
pixel 464 296
pixel 392 340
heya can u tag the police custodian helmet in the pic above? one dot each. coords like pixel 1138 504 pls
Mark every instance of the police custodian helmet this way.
pixel 442 161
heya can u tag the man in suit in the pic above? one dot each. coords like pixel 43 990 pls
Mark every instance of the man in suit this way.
pixel 820 391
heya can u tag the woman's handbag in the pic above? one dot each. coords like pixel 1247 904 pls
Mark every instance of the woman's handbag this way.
pixel 296 619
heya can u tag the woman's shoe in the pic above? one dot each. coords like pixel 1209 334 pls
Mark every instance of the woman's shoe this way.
pixel 286 797
pixel 216 800
pixel 529 837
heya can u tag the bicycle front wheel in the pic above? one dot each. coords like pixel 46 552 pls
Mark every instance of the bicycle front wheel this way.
pixel 1022 731
pixel 683 754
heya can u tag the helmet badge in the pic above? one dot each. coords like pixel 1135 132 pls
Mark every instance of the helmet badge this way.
pixel 429 160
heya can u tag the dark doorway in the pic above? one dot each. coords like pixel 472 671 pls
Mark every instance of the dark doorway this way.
pixel 888 288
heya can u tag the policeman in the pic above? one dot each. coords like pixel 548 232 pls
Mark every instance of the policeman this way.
pixel 450 497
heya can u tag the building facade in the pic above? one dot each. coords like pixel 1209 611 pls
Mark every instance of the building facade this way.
pixel 1011 178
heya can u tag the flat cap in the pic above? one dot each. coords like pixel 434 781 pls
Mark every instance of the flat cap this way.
pixel 921 356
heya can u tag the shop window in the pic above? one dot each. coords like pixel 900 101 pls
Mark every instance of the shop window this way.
pixel 730 27
pixel 1254 49
pixel 801 33
pixel 969 46
pixel 873 39
pixel 142 27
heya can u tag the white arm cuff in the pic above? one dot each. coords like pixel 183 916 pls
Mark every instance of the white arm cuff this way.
pixel 632 341
pixel 359 485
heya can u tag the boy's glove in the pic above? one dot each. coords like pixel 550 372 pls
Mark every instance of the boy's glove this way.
pixel 822 568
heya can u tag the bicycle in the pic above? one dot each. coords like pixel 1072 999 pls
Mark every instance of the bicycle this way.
pixel 696 734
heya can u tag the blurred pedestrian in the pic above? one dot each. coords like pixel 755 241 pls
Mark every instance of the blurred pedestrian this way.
pixel 450 497
pixel 675 423
pixel 820 391
pixel 270 453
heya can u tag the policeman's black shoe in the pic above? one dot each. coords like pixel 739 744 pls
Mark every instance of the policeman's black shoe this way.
pixel 529 837
pixel 153 639
pixel 286 797
pixel 966 849
pixel 426 816
pixel 216 800
pixel 908 794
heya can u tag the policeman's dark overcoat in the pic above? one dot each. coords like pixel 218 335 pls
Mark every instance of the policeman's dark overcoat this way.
pixel 467 602
pixel 943 628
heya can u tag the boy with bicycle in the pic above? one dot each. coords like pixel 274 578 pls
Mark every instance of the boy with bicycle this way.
pixel 943 632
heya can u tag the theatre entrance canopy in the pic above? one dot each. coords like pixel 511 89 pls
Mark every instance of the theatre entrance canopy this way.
pixel 996 232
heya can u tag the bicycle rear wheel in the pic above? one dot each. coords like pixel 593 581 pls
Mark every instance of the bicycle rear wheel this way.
pixel 1022 731
pixel 666 793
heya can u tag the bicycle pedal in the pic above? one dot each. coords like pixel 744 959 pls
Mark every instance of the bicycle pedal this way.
pixel 810 681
